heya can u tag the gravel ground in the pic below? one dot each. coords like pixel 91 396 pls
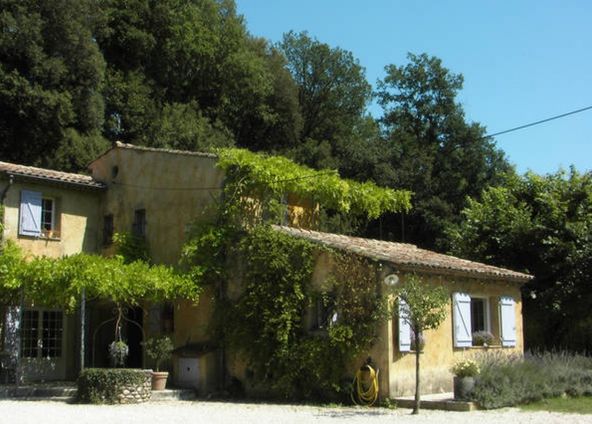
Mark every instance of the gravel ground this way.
pixel 36 412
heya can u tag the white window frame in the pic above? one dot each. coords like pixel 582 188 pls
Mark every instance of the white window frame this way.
pixel 44 231
pixel 486 312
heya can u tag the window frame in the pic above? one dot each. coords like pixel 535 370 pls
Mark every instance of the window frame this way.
pixel 44 231
pixel 486 312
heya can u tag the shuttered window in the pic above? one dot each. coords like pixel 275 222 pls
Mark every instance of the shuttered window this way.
pixel 404 327
pixel 508 321
pixel 31 213
pixel 462 320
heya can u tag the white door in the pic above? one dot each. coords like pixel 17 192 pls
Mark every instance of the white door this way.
pixel 42 345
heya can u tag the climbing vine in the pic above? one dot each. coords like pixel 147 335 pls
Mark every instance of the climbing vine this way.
pixel 287 358
pixel 58 282
pixel 271 177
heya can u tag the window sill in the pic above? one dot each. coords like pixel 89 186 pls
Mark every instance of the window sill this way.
pixel 47 237
pixel 495 347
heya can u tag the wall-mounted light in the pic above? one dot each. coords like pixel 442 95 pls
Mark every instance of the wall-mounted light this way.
pixel 391 280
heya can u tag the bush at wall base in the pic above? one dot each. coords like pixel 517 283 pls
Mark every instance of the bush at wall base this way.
pixel 114 385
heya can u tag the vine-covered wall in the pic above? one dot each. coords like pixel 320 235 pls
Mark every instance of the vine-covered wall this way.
pixel 279 345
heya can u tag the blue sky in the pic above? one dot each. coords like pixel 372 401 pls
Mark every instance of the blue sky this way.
pixel 522 60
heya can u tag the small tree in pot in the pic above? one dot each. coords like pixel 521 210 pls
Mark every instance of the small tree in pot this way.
pixel 159 349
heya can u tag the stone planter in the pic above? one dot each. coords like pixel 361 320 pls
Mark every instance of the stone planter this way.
pixel 463 386
pixel 159 380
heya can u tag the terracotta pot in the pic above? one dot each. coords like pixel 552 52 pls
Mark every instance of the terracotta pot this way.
pixel 463 386
pixel 159 380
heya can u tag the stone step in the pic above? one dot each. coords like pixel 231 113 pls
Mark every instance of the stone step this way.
pixel 172 394
pixel 442 401
pixel 29 392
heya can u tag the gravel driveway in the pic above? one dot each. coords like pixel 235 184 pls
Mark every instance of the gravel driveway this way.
pixel 36 412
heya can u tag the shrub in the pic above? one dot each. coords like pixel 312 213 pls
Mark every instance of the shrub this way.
pixel 102 385
pixel 509 380
pixel 482 338
pixel 159 349
pixel 465 368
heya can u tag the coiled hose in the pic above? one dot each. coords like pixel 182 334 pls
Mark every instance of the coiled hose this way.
pixel 365 386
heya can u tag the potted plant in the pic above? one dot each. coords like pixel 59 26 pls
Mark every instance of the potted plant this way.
pixel 159 349
pixel 118 351
pixel 482 338
pixel 464 378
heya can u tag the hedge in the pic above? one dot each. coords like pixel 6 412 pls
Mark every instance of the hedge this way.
pixel 104 385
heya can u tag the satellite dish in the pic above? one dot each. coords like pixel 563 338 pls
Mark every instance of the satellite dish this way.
pixel 391 280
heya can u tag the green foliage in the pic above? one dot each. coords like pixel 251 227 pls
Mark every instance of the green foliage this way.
pixel 51 75
pixel 465 368
pixel 59 282
pixel 332 88
pixel 426 304
pixel 288 360
pixel 159 349
pixel 512 380
pixel 541 224
pixel 103 385
pixel 482 338
pixel 566 404
pixel 254 174
pixel 425 310
pixel 131 248
pixel 433 150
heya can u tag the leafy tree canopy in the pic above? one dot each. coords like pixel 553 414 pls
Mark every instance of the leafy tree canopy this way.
pixel 434 151
pixel 543 225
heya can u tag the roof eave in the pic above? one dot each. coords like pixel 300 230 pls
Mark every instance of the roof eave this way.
pixel 36 178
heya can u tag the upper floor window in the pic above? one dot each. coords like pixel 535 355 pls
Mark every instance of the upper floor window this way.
pixel 139 225
pixel 108 230
pixel 38 215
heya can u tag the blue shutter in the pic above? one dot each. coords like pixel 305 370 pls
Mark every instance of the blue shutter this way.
pixel 463 336
pixel 30 222
pixel 508 321
pixel 404 327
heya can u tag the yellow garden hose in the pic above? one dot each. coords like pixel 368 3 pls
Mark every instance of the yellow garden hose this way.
pixel 365 386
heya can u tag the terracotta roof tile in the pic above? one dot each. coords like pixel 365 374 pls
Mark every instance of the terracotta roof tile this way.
pixel 51 175
pixel 406 256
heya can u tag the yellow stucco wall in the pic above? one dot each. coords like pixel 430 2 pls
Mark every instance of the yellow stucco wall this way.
pixel 173 189
pixel 439 353
pixel 77 219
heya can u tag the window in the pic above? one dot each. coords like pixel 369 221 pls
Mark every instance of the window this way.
pixel 107 230
pixel 30 334
pixel 473 313
pixel 479 314
pixel 41 334
pixel 324 314
pixel 38 215
pixel 47 216
pixel 139 225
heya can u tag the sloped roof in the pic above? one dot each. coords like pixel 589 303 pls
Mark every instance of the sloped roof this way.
pixel 407 256
pixel 35 173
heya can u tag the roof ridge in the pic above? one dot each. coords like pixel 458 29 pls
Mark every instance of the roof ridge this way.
pixel 122 145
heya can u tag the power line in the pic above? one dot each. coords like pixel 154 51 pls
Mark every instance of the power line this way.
pixel 219 187
pixel 532 124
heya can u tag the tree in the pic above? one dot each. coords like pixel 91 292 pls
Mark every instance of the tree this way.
pixel 424 309
pixel 196 59
pixel 51 75
pixel 332 94
pixel 542 225
pixel 434 151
